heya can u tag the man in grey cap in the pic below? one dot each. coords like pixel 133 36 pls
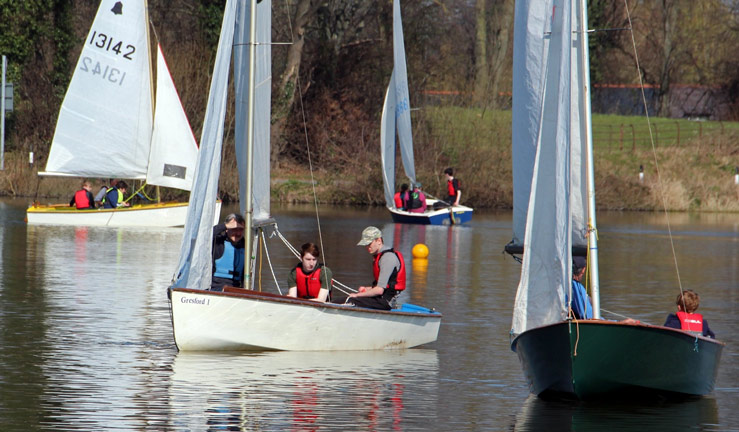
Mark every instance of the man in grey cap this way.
pixel 388 270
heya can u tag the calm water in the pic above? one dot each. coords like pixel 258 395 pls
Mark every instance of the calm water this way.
pixel 87 344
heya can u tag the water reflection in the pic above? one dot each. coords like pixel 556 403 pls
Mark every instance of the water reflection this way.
pixel 540 415
pixel 370 390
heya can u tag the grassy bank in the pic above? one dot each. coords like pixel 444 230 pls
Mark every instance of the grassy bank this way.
pixel 696 162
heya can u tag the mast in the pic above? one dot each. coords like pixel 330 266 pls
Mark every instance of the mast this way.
pixel 587 124
pixel 249 206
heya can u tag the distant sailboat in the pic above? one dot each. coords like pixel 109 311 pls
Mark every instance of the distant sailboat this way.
pixel 396 118
pixel 243 319
pixel 108 127
pixel 554 215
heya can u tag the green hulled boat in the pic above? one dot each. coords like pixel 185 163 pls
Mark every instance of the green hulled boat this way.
pixel 554 218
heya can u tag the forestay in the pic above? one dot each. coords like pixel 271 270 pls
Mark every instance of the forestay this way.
pixel 396 115
pixel 555 218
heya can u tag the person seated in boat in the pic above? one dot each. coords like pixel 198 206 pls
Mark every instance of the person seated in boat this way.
pixel 104 189
pixel 686 318
pixel 114 197
pixel 310 279
pixel 83 199
pixel 416 200
pixel 454 192
pixel 388 270
pixel 580 305
pixel 228 253
pixel 399 197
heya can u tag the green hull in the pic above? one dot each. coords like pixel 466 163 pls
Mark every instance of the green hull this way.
pixel 591 359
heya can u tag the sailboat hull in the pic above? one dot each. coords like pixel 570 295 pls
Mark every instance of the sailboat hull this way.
pixel 244 320
pixel 457 215
pixel 150 215
pixel 595 358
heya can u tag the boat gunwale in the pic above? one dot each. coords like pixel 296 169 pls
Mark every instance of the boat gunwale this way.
pixel 620 324
pixel 65 208
pixel 276 298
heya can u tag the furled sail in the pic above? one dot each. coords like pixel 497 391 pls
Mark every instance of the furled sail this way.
pixel 194 269
pixel 396 115
pixel 262 100
pixel 531 52
pixel 555 214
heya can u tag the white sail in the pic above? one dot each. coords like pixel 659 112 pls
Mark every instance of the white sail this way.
pixel 396 115
pixel 387 143
pixel 262 102
pixel 105 123
pixel 533 26
pixel 555 214
pixel 174 152
pixel 402 99
pixel 194 267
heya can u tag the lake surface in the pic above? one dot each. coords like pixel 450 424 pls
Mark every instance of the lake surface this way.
pixel 86 339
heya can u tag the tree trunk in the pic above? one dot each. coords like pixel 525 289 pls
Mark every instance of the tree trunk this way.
pixel 288 87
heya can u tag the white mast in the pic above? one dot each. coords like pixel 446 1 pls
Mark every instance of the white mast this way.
pixel 587 124
pixel 250 145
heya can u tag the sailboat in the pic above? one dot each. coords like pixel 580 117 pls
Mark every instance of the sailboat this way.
pixel 396 118
pixel 244 319
pixel 554 219
pixel 108 127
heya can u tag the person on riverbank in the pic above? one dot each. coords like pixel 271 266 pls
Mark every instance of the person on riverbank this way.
pixel 310 279
pixel 83 199
pixel 399 197
pixel 686 319
pixel 114 197
pixel 388 271
pixel 580 306
pixel 228 253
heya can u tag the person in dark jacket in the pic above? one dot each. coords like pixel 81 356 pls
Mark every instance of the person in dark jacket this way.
pixel 115 196
pixel 228 253
pixel 83 199
pixel 686 318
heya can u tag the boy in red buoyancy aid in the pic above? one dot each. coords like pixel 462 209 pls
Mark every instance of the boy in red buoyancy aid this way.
pixel 686 318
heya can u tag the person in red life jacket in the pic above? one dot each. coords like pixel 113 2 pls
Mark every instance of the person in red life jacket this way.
pixel 416 202
pixel 310 279
pixel 399 197
pixel 228 253
pixel 388 270
pixel 686 318
pixel 454 193
pixel 83 198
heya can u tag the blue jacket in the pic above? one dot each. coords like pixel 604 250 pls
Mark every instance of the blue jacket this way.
pixel 581 306
pixel 111 198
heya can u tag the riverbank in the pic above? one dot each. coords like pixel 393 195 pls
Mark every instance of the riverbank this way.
pixel 692 171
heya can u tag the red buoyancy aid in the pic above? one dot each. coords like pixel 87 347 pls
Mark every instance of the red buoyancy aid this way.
pixel 80 199
pixel 451 191
pixel 398 200
pixel 309 285
pixel 397 279
pixel 691 321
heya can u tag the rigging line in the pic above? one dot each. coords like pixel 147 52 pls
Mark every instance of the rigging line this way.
pixel 654 150
pixel 310 165
pixel 269 261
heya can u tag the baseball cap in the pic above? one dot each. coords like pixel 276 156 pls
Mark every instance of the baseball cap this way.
pixel 369 235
